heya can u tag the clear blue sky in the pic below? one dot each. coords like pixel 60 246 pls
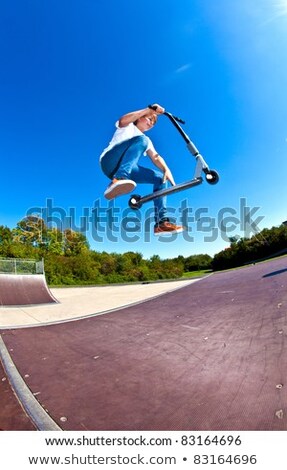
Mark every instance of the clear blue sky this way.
pixel 70 68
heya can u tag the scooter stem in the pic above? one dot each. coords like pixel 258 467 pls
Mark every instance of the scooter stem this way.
pixel 175 121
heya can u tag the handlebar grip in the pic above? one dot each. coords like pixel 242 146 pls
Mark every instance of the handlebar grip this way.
pixel 150 106
pixel 178 119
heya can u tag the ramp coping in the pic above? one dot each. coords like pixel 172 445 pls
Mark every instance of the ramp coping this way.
pixel 35 411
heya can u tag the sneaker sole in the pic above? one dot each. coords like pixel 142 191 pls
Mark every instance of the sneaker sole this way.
pixel 120 189
pixel 167 232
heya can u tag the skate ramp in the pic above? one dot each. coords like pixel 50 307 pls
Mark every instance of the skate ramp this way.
pixel 24 289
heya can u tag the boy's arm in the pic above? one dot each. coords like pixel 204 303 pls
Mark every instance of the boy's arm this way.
pixel 160 163
pixel 126 119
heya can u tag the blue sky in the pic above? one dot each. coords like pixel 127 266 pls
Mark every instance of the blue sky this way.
pixel 70 68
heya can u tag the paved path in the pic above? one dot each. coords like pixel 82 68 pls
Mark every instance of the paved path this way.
pixel 209 356
pixel 77 302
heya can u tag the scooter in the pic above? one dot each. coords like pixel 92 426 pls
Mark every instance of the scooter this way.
pixel 211 176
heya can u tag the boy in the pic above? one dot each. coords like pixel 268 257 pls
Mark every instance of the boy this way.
pixel 119 162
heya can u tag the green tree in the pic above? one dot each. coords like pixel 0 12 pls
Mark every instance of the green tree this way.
pixel 31 230
pixel 6 239
pixel 55 241
pixel 75 243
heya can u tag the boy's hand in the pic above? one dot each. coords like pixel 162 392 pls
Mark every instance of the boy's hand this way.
pixel 157 108
pixel 167 176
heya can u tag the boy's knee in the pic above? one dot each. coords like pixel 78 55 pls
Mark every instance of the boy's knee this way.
pixel 140 141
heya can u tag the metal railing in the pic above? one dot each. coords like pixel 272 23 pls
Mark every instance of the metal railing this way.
pixel 21 266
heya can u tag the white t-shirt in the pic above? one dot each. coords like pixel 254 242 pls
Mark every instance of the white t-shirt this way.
pixel 126 133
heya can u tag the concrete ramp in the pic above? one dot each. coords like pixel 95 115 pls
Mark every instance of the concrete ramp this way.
pixel 24 289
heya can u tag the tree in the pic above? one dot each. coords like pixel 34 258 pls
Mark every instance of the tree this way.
pixel 75 243
pixel 31 230
pixel 197 262
pixel 5 240
pixel 55 241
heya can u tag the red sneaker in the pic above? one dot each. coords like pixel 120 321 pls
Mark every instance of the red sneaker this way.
pixel 167 227
pixel 118 188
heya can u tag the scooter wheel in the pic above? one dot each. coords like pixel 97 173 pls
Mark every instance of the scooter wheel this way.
pixel 135 202
pixel 212 177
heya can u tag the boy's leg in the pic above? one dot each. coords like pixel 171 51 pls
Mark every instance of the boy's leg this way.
pixel 163 226
pixel 144 175
pixel 117 164
pixel 131 157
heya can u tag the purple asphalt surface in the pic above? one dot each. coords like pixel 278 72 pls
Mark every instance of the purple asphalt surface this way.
pixel 209 356
pixel 12 416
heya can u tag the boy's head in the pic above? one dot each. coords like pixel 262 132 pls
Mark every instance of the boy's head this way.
pixel 146 122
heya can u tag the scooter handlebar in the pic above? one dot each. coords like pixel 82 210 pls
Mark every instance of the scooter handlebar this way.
pixel 178 119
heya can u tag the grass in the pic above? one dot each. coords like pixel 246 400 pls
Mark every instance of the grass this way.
pixel 199 273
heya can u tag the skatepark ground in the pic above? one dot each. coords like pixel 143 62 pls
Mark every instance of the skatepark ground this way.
pixel 208 354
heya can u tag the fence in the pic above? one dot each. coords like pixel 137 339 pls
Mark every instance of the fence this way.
pixel 21 266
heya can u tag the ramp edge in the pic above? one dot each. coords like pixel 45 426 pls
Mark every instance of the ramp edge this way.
pixel 32 407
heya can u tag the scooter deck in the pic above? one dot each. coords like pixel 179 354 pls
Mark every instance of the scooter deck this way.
pixel 164 192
